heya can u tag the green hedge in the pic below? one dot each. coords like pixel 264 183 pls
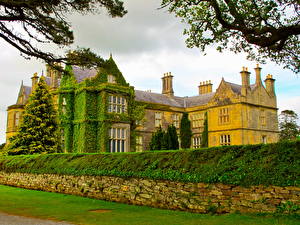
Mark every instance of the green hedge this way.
pixel 272 164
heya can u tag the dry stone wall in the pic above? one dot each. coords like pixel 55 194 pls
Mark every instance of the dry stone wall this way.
pixel 193 197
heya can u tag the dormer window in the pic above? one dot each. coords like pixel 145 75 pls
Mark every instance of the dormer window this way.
pixel 111 79
pixel 117 104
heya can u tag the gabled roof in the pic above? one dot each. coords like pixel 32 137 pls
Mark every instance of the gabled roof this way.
pixel 24 90
pixel 181 102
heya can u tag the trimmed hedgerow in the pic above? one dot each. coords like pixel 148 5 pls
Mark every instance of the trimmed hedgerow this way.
pixel 272 164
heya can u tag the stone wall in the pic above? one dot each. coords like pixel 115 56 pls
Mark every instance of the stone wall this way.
pixel 193 197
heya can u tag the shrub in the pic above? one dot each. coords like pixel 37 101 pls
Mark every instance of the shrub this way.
pixel 271 164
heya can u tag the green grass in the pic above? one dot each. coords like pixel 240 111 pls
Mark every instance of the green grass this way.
pixel 76 210
pixel 272 164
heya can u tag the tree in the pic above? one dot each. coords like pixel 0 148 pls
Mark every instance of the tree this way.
pixel 264 29
pixel 174 144
pixel 157 140
pixel 289 130
pixel 185 131
pixel 38 131
pixel 204 137
pixel 164 140
pixel 45 22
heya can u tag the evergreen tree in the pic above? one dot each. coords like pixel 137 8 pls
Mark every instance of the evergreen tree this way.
pixel 37 132
pixel 174 144
pixel 157 140
pixel 185 131
pixel 204 138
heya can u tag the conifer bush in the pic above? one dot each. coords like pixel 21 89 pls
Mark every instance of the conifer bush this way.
pixel 165 140
pixel 38 131
pixel 204 137
pixel 185 131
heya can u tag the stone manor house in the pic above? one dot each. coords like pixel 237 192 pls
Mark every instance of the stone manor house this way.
pixel 100 112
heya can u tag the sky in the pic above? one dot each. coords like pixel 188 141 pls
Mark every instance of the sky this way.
pixel 145 44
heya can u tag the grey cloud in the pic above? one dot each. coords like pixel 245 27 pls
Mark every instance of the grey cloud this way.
pixel 143 29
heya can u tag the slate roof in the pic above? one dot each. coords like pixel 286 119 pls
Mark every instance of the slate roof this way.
pixel 27 91
pixel 237 88
pixel 81 73
pixel 182 102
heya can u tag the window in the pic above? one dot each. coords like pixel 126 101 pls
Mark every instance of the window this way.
pixel 139 143
pixel 158 119
pixel 197 120
pixel 225 139
pixel 64 106
pixel 117 104
pixel 262 117
pixel 196 142
pixel 17 119
pixel 264 139
pixel 175 118
pixel 117 139
pixel 111 79
pixel 223 116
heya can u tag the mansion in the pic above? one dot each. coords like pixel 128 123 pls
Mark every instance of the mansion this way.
pixel 100 112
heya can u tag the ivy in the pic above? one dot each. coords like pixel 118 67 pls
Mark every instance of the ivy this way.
pixel 265 164
pixel 84 118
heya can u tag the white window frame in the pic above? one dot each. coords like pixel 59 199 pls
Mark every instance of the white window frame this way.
pixel 197 120
pixel 117 104
pixel 224 115
pixel 158 119
pixel 175 118
pixel 111 79
pixel 117 139
pixel 196 141
pixel 139 143
pixel 225 139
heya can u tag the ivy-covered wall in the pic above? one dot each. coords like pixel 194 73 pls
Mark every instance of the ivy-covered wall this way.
pixel 83 109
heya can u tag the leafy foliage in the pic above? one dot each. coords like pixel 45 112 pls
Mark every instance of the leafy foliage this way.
pixel 289 129
pixel 204 137
pixel 156 142
pixel 45 22
pixel 83 108
pixel 164 140
pixel 172 133
pixel 185 131
pixel 38 130
pixel 2 146
pixel 264 29
pixel 246 165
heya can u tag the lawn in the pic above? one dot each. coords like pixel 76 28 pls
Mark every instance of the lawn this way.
pixel 79 210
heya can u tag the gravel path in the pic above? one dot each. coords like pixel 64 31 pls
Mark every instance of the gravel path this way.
pixel 6 219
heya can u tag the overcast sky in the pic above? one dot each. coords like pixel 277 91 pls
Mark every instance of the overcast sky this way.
pixel 146 43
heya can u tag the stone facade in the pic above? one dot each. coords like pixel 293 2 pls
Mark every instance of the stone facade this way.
pixel 91 103
pixel 192 197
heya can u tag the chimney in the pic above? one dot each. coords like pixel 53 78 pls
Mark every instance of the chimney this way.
pixel 53 74
pixel 269 81
pixel 245 81
pixel 35 80
pixel 258 75
pixel 205 87
pixel 167 84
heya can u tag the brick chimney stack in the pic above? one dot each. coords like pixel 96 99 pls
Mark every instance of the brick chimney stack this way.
pixel 269 81
pixel 35 80
pixel 205 87
pixel 245 81
pixel 167 84
pixel 258 75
